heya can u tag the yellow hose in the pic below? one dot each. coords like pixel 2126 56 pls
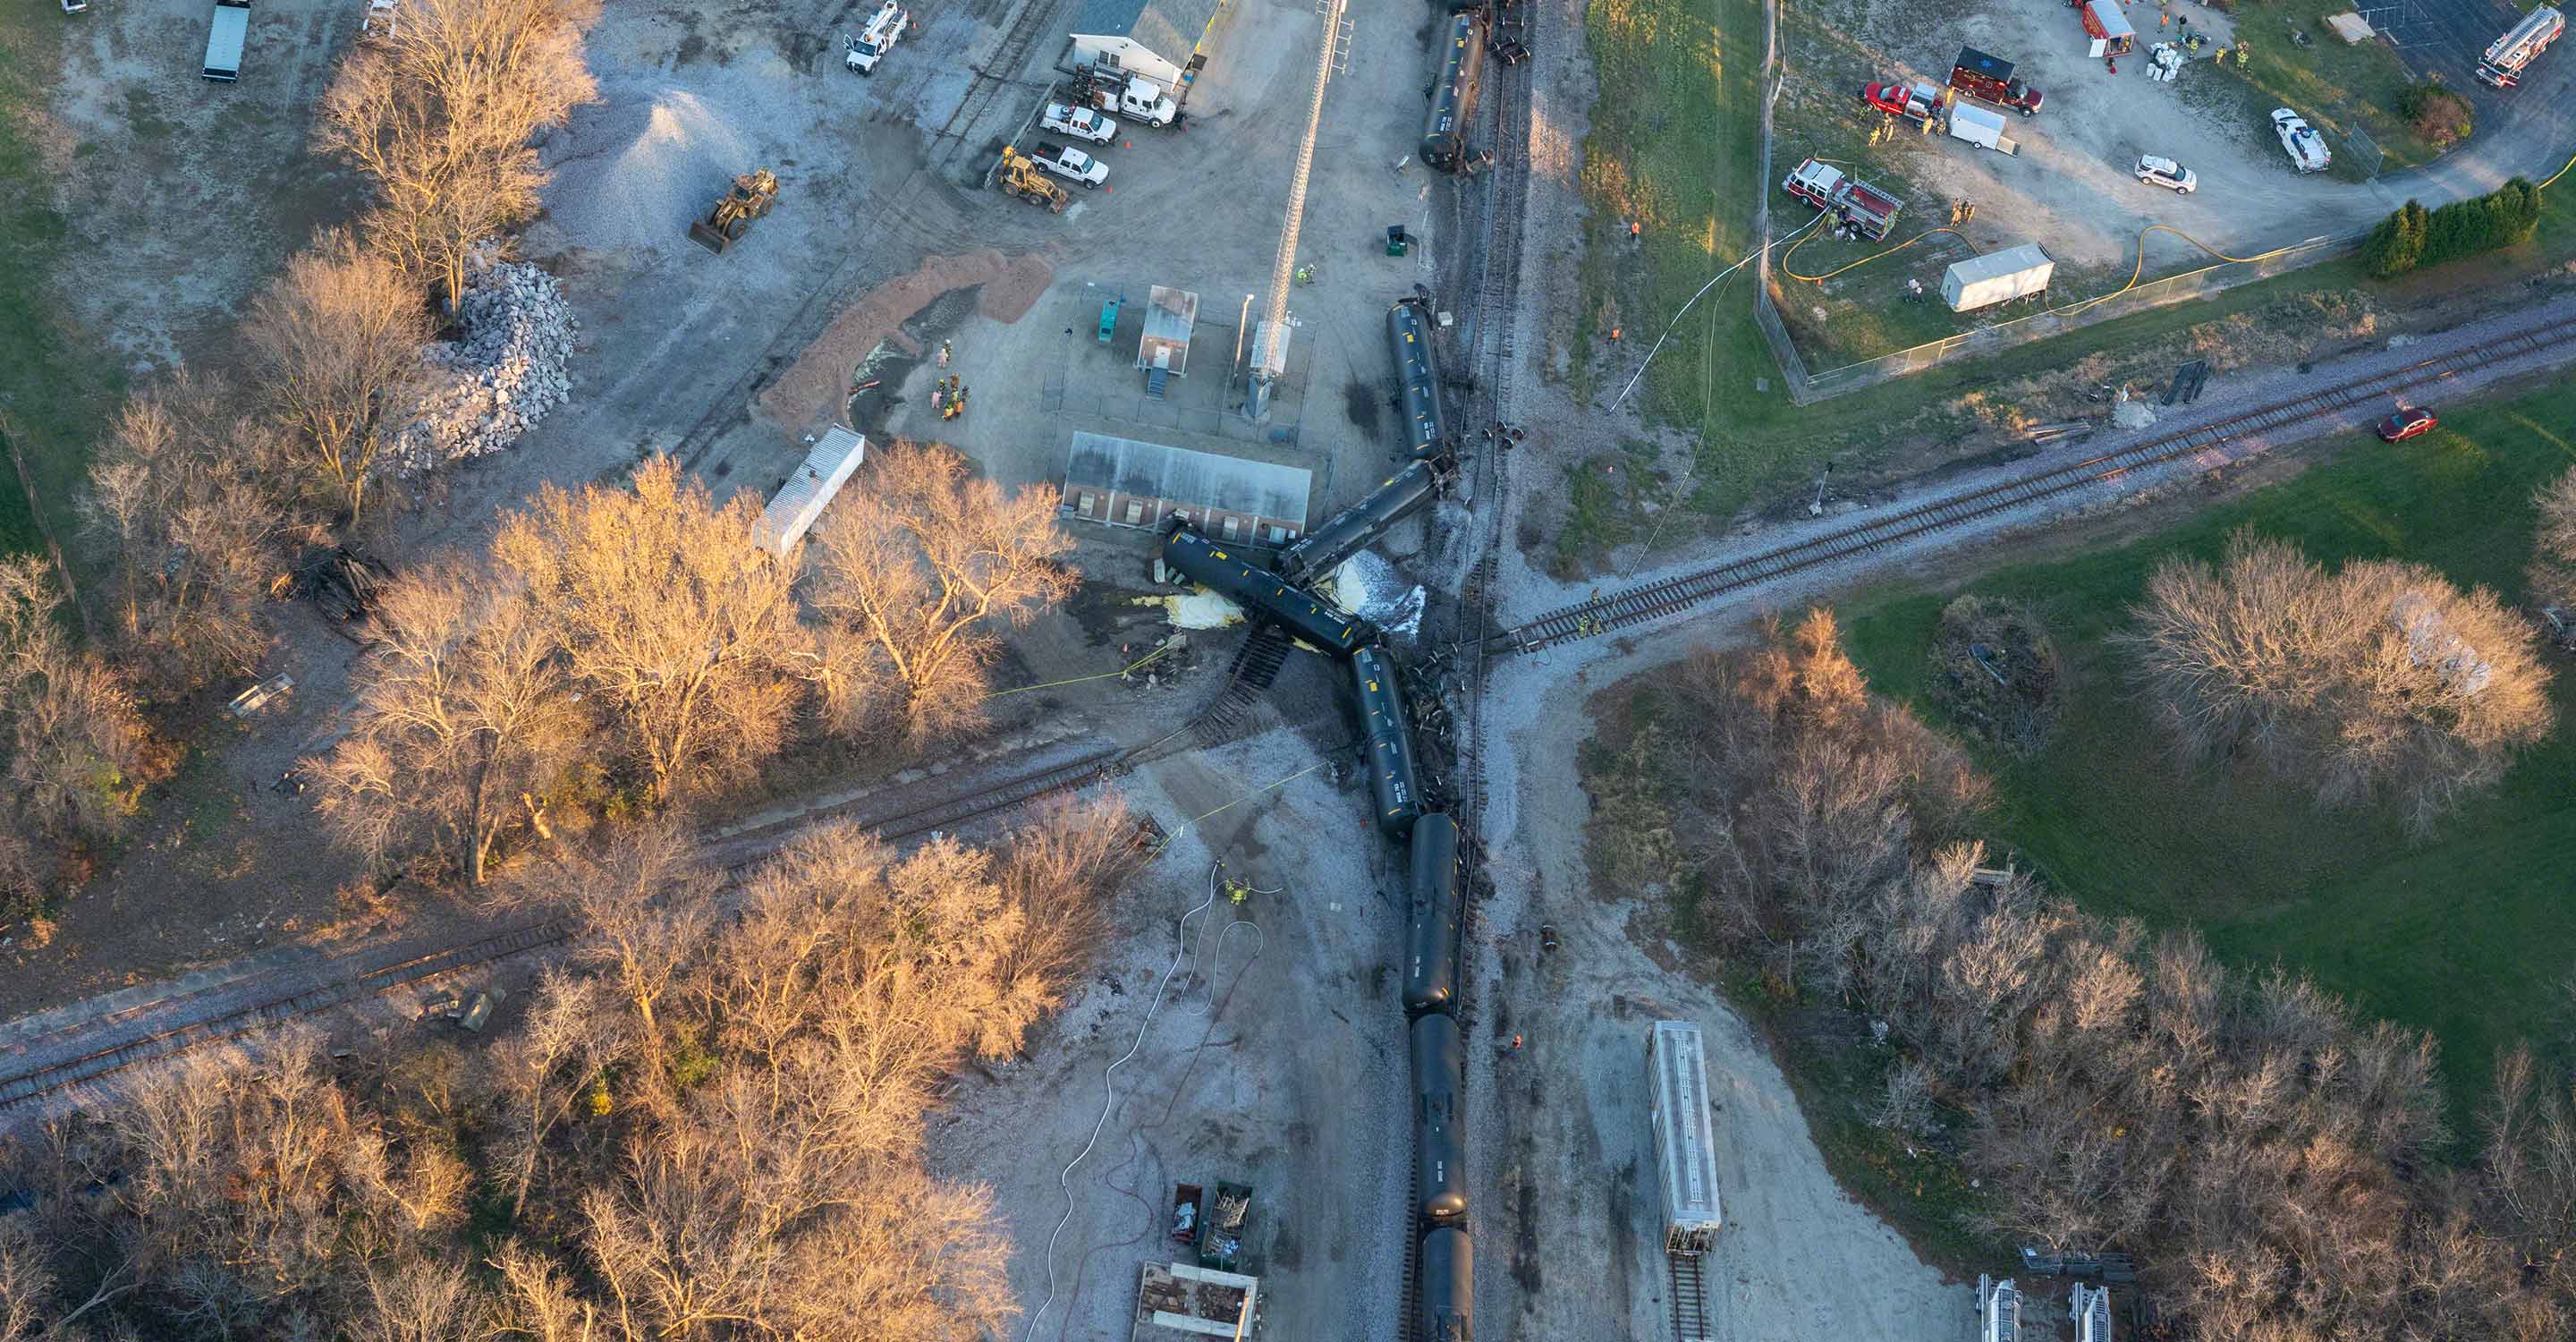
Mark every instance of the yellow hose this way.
pixel 1818 279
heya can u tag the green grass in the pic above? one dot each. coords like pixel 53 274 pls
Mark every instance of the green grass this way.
pixel 2468 936
pixel 51 390
pixel 2335 86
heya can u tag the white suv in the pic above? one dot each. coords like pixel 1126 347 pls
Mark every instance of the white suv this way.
pixel 2165 172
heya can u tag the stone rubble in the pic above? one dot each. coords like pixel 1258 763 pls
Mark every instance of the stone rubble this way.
pixel 500 380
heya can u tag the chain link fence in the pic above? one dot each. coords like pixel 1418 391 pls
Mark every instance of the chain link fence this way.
pixel 1985 340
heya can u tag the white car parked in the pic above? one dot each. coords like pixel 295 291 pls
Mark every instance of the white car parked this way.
pixel 2166 173
pixel 2307 149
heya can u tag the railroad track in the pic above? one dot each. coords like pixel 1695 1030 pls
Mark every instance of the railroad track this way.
pixel 1689 1296
pixel 734 854
pixel 997 73
pixel 1650 601
pixel 156 1045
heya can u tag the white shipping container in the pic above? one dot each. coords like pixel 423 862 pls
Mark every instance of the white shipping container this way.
pixel 799 503
pixel 1685 1154
pixel 1996 277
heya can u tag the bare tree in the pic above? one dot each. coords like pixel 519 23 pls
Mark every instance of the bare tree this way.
pixel 464 714
pixel 175 509
pixel 670 614
pixel 76 748
pixel 2382 678
pixel 2553 545
pixel 440 114
pixel 335 345
pixel 920 568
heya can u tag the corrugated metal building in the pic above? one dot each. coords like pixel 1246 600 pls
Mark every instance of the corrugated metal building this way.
pixel 1162 40
pixel 1126 483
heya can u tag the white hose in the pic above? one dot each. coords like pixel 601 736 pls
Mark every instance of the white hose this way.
pixel 1109 1100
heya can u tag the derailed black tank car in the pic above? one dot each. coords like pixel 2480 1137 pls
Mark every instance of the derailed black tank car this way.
pixel 1448 1288
pixel 1439 1133
pixel 1431 926
pixel 1392 780
pixel 1267 594
pixel 1453 99
pixel 1417 371
pixel 1354 528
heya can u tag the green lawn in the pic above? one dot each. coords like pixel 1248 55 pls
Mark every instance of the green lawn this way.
pixel 2471 936
pixel 1674 145
pixel 2335 86
pixel 46 391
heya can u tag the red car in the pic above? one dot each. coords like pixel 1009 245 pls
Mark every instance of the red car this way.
pixel 2406 423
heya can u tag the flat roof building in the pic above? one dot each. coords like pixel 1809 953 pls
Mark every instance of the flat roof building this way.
pixel 1122 482
pixel 1163 40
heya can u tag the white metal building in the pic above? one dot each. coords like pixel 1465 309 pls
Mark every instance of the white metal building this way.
pixel 1164 40
pixel 1996 277
pixel 1685 1154
pixel 800 502
pixel 1127 483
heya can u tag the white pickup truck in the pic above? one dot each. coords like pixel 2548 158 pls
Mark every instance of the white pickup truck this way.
pixel 1071 163
pixel 2307 149
pixel 1079 122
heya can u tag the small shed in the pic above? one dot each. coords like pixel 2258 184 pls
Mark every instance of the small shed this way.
pixel 1121 482
pixel 2352 28
pixel 1997 277
pixel 2109 28
pixel 800 502
pixel 1170 316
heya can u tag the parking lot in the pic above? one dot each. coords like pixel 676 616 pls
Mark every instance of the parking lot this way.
pixel 2070 187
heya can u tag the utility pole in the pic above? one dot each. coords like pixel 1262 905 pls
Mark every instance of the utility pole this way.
pixel 1270 341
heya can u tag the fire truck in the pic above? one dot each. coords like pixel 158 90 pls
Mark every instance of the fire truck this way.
pixel 2502 65
pixel 1848 199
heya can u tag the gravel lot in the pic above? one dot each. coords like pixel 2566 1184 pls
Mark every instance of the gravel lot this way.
pixel 2070 188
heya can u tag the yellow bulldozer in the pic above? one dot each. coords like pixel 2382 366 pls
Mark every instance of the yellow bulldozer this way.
pixel 752 195
pixel 1021 177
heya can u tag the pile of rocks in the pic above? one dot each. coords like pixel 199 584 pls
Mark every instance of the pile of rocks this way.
pixel 495 384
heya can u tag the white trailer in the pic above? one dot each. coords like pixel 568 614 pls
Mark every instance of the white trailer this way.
pixel 224 41
pixel 1685 1151
pixel 1997 277
pixel 800 502
pixel 1978 125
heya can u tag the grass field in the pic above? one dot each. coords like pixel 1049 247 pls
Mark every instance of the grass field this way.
pixel 2335 86
pixel 2471 936
pixel 1674 144
pixel 48 393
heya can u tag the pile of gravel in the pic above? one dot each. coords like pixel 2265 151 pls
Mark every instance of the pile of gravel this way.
pixel 497 382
